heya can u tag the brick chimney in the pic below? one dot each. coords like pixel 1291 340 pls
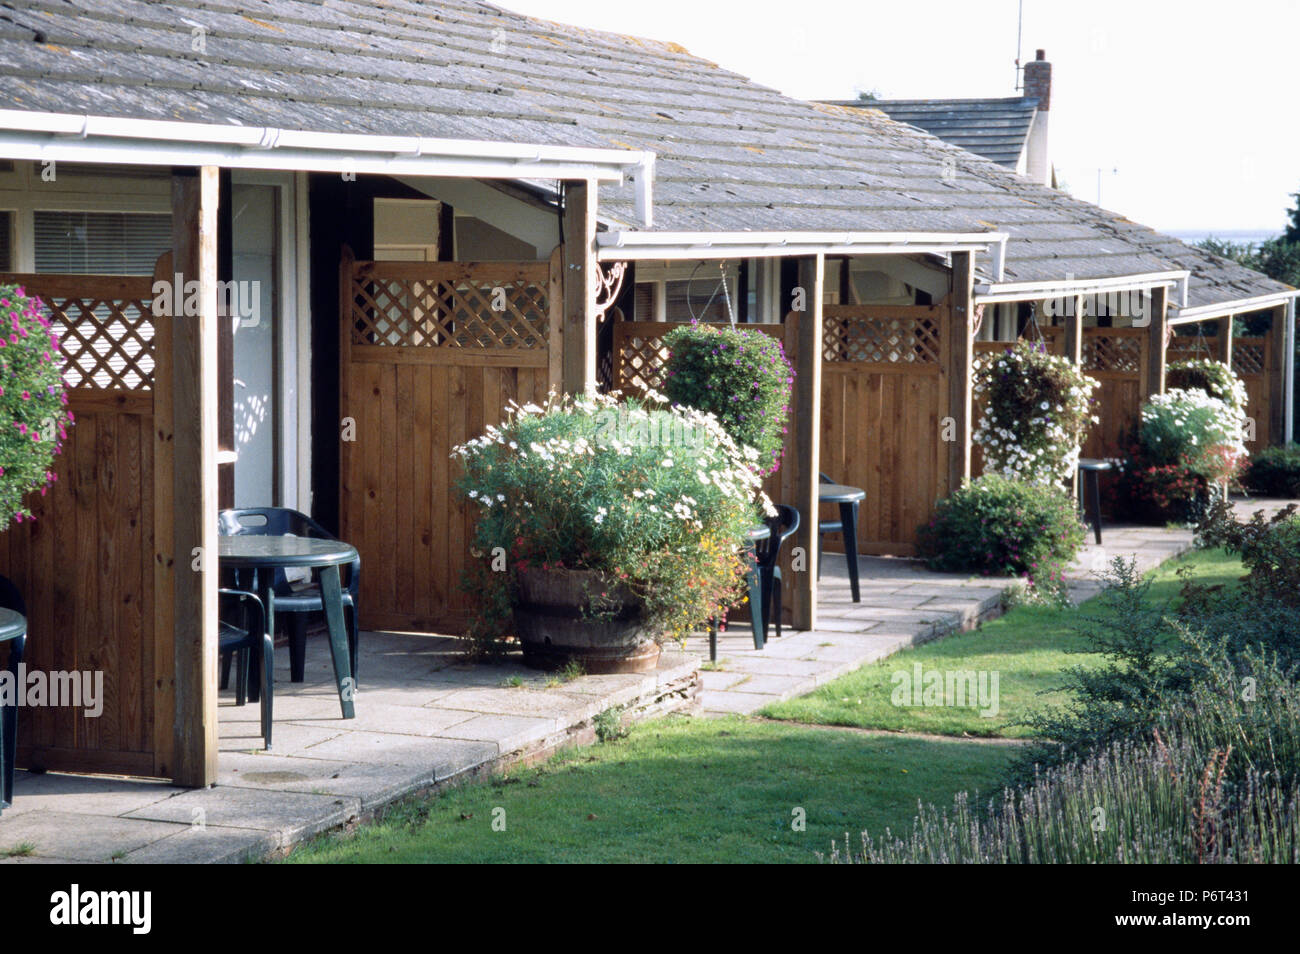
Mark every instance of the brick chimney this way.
pixel 1038 81
pixel 1038 85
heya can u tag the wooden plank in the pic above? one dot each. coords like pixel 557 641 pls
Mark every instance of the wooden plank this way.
pixel 1155 344
pixel 578 360
pixel 403 482
pixel 806 461
pixel 504 272
pixel 959 369
pixel 423 559
pixel 1275 374
pixel 555 322
pixel 1223 340
pixel 194 405
pixel 461 357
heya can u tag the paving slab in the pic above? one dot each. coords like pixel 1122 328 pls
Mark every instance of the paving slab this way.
pixel 79 837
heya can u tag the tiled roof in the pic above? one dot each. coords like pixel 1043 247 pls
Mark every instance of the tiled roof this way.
pixel 732 155
pixel 993 128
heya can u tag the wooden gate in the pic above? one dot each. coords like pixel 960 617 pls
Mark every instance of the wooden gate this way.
pixel 87 565
pixel 1117 358
pixel 884 400
pixel 432 352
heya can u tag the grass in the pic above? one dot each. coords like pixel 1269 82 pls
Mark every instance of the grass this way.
pixel 1027 648
pixel 680 790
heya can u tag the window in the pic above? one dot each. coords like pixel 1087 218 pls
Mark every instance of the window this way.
pixel 100 243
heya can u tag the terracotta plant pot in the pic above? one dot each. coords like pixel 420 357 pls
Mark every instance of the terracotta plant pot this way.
pixel 582 616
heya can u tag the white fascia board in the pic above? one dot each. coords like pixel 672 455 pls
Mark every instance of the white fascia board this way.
pixel 627 245
pixel 1187 316
pixel 69 137
pixel 993 292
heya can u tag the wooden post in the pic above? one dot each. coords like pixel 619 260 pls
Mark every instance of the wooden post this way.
pixel 164 556
pixel 579 338
pixel 807 435
pixel 960 350
pixel 194 488
pixel 1275 373
pixel 1073 333
pixel 1153 378
pixel 1225 340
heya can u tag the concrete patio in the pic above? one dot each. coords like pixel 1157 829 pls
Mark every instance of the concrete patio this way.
pixel 426 719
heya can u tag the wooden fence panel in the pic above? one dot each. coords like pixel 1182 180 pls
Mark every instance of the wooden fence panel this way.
pixel 432 354
pixel 1116 357
pixel 1251 359
pixel 86 564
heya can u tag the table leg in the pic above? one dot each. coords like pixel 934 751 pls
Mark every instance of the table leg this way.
pixel 754 578
pixel 9 737
pixel 849 523
pixel 332 597
pixel 1096 504
pixel 266 591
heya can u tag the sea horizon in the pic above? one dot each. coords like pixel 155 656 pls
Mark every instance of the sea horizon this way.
pixel 1236 236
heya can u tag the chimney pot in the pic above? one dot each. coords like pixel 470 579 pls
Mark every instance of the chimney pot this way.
pixel 1041 55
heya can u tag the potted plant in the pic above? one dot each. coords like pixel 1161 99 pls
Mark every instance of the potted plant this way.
pixel 606 527
pixel 1037 408
pixel 739 375
pixel 34 415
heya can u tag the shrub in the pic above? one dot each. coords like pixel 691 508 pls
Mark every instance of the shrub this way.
pixel 740 376
pixel 1165 802
pixel 659 497
pixel 1213 378
pixel 1156 659
pixel 1275 472
pixel 1158 493
pixel 1003 527
pixel 1270 549
pixel 33 405
pixel 1036 414
pixel 1192 429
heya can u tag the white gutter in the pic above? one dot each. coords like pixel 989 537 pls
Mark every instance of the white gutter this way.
pixel 991 292
pixel 628 245
pixel 1236 307
pixel 68 137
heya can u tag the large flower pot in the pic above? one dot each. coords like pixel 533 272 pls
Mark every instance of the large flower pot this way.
pixel 581 616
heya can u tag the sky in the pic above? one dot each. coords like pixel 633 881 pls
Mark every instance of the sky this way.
pixel 1183 113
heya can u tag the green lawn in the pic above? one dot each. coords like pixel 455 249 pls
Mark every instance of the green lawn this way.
pixel 1027 648
pixel 681 790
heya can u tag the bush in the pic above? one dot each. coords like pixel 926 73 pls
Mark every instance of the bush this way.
pixel 1003 527
pixel 740 376
pixel 658 497
pixel 1036 413
pixel 1270 549
pixel 33 404
pixel 1156 659
pixel 1275 472
pixel 1166 802
pixel 1158 494
pixel 1190 428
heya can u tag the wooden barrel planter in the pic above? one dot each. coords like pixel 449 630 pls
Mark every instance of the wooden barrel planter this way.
pixel 566 616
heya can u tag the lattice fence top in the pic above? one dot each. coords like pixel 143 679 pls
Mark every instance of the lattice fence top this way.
pixel 640 355
pixel 107 342
pixel 1248 357
pixel 1117 353
pixel 1190 348
pixel 881 339
pixel 449 312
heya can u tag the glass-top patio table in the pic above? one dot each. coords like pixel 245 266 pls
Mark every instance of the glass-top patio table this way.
pixel 266 554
